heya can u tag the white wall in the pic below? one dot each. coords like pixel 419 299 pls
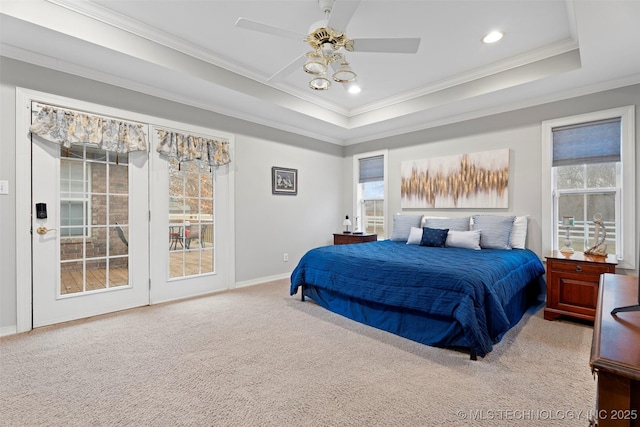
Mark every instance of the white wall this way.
pixel 7 210
pixel 267 225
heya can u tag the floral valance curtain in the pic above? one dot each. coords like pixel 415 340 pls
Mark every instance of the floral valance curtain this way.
pixel 66 127
pixel 186 148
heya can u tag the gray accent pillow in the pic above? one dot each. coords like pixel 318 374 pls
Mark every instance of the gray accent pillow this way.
pixel 402 224
pixel 456 224
pixel 495 230
pixel 463 239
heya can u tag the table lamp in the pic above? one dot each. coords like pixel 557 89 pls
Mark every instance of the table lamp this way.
pixel 347 224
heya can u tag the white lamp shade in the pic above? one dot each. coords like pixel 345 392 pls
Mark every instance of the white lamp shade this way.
pixel 319 83
pixel 316 64
pixel 344 74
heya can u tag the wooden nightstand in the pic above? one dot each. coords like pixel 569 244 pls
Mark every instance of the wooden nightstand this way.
pixel 348 239
pixel 572 284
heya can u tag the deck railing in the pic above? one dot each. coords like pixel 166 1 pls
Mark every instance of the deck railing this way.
pixel 579 240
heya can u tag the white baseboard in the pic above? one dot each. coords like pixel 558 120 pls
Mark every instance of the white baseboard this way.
pixel 8 330
pixel 262 280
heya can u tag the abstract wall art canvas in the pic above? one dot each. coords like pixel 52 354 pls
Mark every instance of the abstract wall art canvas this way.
pixel 471 180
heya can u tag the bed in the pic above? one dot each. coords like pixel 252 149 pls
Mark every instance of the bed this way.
pixel 439 296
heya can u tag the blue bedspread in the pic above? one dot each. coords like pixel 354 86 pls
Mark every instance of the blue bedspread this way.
pixel 471 287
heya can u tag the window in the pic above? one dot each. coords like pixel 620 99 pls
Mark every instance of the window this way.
pixel 589 164
pixel 370 190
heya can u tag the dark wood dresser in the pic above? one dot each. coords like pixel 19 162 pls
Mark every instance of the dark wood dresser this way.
pixel 572 284
pixel 350 238
pixel 615 353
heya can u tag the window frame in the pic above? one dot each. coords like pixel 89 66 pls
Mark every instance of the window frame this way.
pixel 356 181
pixel 626 218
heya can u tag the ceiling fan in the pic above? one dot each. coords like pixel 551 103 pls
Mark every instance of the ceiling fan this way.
pixel 329 42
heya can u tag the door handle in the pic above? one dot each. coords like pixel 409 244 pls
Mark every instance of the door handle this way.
pixel 44 230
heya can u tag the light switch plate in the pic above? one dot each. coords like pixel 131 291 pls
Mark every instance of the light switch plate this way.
pixel 4 187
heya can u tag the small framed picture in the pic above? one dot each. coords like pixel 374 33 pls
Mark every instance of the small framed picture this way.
pixel 284 181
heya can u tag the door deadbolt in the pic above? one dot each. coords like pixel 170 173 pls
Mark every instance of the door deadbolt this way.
pixel 44 230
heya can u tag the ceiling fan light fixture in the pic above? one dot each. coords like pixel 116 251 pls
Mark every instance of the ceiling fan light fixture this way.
pixel 344 74
pixel 320 83
pixel 316 64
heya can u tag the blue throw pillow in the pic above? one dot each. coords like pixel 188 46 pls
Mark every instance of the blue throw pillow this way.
pixel 434 237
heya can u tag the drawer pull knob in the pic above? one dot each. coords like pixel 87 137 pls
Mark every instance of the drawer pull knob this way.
pixel 578 268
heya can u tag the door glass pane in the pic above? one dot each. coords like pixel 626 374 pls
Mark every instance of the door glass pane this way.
pixel 119 177
pixel 71 218
pixel 97 174
pixel 119 272
pixel 96 275
pixel 96 245
pixel 191 219
pixel 94 197
pixel 118 210
pixel 71 277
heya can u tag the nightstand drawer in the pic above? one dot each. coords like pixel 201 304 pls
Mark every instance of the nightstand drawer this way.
pixel 579 267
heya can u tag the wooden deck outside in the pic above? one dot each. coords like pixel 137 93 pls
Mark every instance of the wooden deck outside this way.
pixel 181 263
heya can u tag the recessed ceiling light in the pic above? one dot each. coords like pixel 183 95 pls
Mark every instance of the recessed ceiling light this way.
pixel 492 37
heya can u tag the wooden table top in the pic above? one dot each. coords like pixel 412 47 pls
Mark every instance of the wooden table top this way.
pixel 616 338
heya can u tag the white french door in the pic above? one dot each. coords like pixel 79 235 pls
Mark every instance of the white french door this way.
pixel 191 225
pixel 90 248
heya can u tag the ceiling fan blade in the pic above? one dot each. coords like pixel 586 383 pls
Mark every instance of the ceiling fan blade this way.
pixel 341 14
pixel 386 45
pixel 248 24
pixel 288 69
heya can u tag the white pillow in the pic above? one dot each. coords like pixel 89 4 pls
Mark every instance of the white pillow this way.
pixel 519 232
pixel 463 239
pixel 415 236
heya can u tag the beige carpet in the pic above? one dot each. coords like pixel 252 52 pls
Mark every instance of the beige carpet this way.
pixel 258 357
